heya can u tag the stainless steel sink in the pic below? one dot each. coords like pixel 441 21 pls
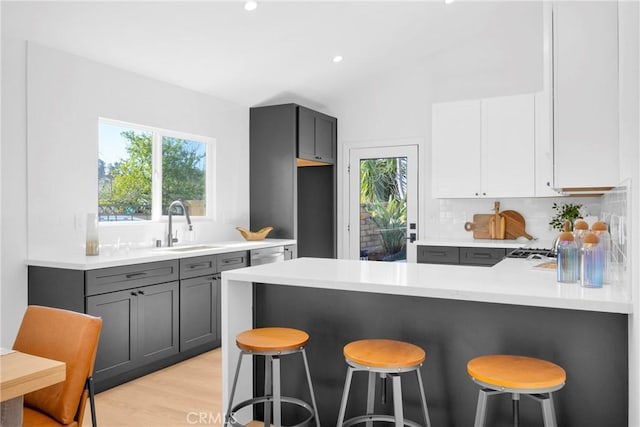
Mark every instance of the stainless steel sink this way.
pixel 190 248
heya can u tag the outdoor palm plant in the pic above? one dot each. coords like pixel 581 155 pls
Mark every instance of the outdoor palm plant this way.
pixel 383 194
pixel 391 218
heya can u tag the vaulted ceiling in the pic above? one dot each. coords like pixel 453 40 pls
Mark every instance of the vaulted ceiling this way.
pixel 283 47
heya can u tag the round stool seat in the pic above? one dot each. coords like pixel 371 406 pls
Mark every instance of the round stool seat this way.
pixel 516 372
pixel 271 339
pixel 380 353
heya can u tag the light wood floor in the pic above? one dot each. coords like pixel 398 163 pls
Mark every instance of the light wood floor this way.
pixel 186 394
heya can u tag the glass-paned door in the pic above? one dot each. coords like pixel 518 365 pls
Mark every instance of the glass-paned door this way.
pixel 382 202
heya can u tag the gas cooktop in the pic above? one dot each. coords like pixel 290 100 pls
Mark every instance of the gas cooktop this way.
pixel 531 253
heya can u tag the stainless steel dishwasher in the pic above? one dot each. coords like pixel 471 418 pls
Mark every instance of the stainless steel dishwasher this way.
pixel 267 255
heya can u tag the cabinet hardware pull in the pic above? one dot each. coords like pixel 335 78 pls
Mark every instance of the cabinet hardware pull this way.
pixel 481 255
pixel 199 265
pixel 132 275
pixel 438 253
pixel 140 293
pixel 272 255
pixel 134 294
pixel 232 260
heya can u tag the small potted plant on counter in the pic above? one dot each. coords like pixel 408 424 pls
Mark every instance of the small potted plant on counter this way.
pixel 564 212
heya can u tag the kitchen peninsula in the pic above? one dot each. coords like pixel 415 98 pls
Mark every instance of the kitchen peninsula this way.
pixel 455 313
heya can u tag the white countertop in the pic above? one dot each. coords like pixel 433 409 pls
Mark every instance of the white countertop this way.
pixel 511 281
pixel 136 256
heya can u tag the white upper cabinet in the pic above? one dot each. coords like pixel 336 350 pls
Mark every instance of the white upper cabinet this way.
pixel 484 148
pixel 585 94
pixel 456 140
pixel 508 165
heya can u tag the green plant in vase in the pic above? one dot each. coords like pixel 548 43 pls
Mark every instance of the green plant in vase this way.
pixel 564 212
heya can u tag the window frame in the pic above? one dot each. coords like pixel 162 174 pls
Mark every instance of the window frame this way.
pixel 156 169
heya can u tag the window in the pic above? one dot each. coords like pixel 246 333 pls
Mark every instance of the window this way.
pixel 141 170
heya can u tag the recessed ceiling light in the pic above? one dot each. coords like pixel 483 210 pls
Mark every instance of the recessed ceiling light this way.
pixel 337 58
pixel 448 1
pixel 250 5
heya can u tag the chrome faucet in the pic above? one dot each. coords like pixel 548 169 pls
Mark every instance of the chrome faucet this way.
pixel 171 240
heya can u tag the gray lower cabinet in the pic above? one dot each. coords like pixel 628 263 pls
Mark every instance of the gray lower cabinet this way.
pixel 438 255
pixel 481 256
pixel 232 260
pixel 139 308
pixel 199 301
pixel 454 255
pixel 199 311
pixel 200 297
pixel 139 326
pixel 154 314
pixel 119 335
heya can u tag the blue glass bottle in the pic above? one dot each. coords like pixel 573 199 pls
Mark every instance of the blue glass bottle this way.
pixel 591 262
pixel 580 228
pixel 600 229
pixel 567 259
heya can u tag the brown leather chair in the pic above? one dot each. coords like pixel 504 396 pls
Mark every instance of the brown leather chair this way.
pixel 69 337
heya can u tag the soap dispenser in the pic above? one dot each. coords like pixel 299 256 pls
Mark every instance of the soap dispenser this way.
pixel 92 244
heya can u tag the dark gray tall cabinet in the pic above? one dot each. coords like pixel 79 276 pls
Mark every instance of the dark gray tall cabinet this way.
pixel 293 176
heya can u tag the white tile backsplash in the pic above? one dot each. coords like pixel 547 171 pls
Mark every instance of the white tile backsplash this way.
pixel 447 217
pixel 537 212
pixel 616 212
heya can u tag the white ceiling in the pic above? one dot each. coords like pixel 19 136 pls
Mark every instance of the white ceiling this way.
pixel 281 49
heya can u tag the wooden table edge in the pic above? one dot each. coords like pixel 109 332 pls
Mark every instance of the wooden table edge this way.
pixel 43 373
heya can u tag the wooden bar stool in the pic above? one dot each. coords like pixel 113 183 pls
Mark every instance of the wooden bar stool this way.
pixel 384 358
pixel 272 343
pixel 502 373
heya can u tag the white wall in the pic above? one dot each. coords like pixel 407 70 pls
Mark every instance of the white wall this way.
pixel 1 180
pixel 49 156
pixel 66 95
pixel 397 105
pixel 629 91
pixel 13 285
pixel 504 60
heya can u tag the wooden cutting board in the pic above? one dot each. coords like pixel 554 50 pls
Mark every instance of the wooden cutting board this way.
pixel 480 226
pixel 515 225
pixel 497 226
